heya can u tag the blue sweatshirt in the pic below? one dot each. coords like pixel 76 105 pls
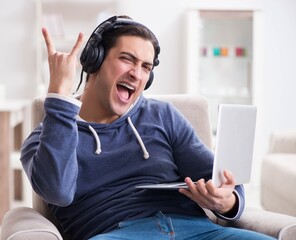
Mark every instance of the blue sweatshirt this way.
pixel 87 172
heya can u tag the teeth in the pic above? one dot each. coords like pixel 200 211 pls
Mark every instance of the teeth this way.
pixel 127 86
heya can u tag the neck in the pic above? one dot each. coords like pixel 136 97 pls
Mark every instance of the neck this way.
pixel 91 109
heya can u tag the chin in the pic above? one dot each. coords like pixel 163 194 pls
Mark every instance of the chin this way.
pixel 120 110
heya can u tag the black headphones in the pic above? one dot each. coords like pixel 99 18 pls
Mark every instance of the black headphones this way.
pixel 93 54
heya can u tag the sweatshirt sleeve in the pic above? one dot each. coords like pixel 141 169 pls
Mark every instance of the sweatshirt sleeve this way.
pixel 48 155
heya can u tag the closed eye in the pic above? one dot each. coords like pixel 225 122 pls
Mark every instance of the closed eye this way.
pixel 127 59
pixel 147 68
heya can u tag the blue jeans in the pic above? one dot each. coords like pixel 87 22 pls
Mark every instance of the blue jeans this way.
pixel 177 227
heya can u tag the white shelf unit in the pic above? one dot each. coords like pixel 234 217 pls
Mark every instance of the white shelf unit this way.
pixel 14 128
pixel 65 19
pixel 220 56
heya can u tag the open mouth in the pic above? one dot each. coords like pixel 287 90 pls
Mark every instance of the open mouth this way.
pixel 125 91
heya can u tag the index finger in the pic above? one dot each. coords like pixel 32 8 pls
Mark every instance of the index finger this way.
pixel 48 41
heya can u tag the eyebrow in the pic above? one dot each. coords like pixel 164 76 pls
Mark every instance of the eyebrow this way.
pixel 137 59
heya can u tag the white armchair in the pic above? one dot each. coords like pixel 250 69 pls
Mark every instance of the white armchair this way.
pixel 278 177
pixel 38 223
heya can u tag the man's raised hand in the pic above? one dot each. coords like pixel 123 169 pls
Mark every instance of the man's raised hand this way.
pixel 62 66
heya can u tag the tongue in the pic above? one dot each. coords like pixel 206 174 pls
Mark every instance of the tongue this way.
pixel 123 92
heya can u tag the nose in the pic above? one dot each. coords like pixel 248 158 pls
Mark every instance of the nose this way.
pixel 136 72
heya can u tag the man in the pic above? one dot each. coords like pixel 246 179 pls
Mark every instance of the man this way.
pixel 87 155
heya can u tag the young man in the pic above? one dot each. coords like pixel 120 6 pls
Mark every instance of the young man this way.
pixel 87 155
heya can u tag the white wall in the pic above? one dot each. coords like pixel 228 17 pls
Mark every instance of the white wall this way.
pixel 276 95
pixel 17 48
pixel 280 65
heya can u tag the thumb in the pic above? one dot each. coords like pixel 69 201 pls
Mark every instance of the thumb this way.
pixel 229 178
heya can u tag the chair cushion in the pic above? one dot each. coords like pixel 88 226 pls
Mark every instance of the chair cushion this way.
pixel 27 224
pixel 278 175
pixel 277 225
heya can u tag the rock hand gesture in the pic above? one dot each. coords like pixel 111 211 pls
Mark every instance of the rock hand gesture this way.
pixel 62 66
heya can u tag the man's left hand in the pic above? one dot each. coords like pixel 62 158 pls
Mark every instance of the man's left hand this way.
pixel 208 196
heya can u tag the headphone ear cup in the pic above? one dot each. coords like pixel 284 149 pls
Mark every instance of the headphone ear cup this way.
pixel 97 59
pixel 101 56
pixel 150 80
pixel 92 58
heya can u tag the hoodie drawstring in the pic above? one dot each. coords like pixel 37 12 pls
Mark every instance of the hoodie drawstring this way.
pixel 99 150
pixel 146 154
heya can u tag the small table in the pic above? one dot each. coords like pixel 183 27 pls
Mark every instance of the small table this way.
pixel 15 121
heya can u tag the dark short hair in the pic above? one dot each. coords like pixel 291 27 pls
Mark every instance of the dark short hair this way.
pixel 110 37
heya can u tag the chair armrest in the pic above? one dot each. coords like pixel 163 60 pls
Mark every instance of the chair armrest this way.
pixel 273 224
pixel 27 224
pixel 283 142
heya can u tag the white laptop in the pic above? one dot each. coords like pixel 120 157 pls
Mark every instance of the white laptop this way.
pixel 234 142
pixel 233 148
